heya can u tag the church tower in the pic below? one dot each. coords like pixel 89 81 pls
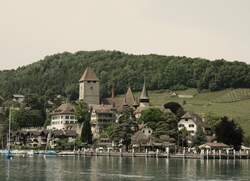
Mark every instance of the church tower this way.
pixel 89 90
pixel 144 99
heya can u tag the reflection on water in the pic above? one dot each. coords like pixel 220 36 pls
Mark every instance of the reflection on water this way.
pixel 120 168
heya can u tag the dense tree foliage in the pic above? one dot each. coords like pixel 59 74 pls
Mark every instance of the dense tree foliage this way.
pixel 86 134
pixel 3 125
pixel 162 123
pixel 82 112
pixel 59 73
pixel 199 138
pixel 126 127
pixel 182 139
pixel 83 116
pixel 167 126
pixel 151 117
pixel 228 132
pixel 26 118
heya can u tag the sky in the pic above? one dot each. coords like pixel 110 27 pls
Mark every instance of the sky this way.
pixel 212 29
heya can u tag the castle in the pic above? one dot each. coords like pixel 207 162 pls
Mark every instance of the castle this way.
pixel 105 111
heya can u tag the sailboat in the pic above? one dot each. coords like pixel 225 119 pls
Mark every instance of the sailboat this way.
pixel 48 139
pixel 9 156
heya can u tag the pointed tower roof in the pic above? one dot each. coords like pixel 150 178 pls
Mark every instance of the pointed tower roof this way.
pixel 129 99
pixel 144 93
pixel 89 75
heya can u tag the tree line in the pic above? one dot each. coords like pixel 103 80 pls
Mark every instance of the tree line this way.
pixel 60 73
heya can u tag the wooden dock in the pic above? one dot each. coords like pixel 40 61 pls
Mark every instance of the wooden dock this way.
pixel 164 155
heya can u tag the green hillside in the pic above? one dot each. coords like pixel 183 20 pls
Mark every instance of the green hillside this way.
pixel 59 73
pixel 207 103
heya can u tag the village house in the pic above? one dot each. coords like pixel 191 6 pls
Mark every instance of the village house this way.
pixel 101 117
pixel 40 138
pixel 144 140
pixel 32 138
pixel 191 122
pixel 63 118
pixel 18 98
pixel 57 135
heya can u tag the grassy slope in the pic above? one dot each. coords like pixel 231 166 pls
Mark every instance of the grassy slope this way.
pixel 204 103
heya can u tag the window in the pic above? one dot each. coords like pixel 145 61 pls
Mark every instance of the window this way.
pixel 181 125
pixel 66 117
pixel 186 119
pixel 191 126
pixel 72 117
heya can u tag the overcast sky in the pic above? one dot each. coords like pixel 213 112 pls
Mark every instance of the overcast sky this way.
pixel 32 29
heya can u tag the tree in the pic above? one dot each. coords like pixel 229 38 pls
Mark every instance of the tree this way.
pixel 161 122
pixel 82 111
pixel 23 118
pixel 210 123
pixel 3 126
pixel 229 132
pixel 151 117
pixel 86 134
pixel 183 137
pixel 199 138
pixel 167 126
pixel 83 116
pixel 126 127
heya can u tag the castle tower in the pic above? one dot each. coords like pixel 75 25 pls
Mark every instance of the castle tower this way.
pixel 89 89
pixel 129 99
pixel 144 99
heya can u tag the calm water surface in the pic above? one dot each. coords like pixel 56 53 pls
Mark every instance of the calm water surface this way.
pixel 122 169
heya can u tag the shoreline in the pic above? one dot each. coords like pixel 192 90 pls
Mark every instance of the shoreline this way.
pixel 30 153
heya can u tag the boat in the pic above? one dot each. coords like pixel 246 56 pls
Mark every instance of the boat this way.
pixel 47 152
pixel 64 153
pixel 31 153
pixel 50 152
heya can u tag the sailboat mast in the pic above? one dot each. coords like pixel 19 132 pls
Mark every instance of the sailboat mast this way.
pixel 10 117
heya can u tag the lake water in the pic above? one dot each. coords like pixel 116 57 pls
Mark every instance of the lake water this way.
pixel 120 169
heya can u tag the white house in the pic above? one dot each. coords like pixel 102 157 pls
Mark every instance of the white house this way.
pixel 18 98
pixel 63 118
pixel 190 121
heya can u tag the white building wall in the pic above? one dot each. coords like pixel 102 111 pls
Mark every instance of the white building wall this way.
pixel 189 124
pixel 60 122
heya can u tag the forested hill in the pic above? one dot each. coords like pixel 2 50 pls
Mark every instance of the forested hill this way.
pixel 60 73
